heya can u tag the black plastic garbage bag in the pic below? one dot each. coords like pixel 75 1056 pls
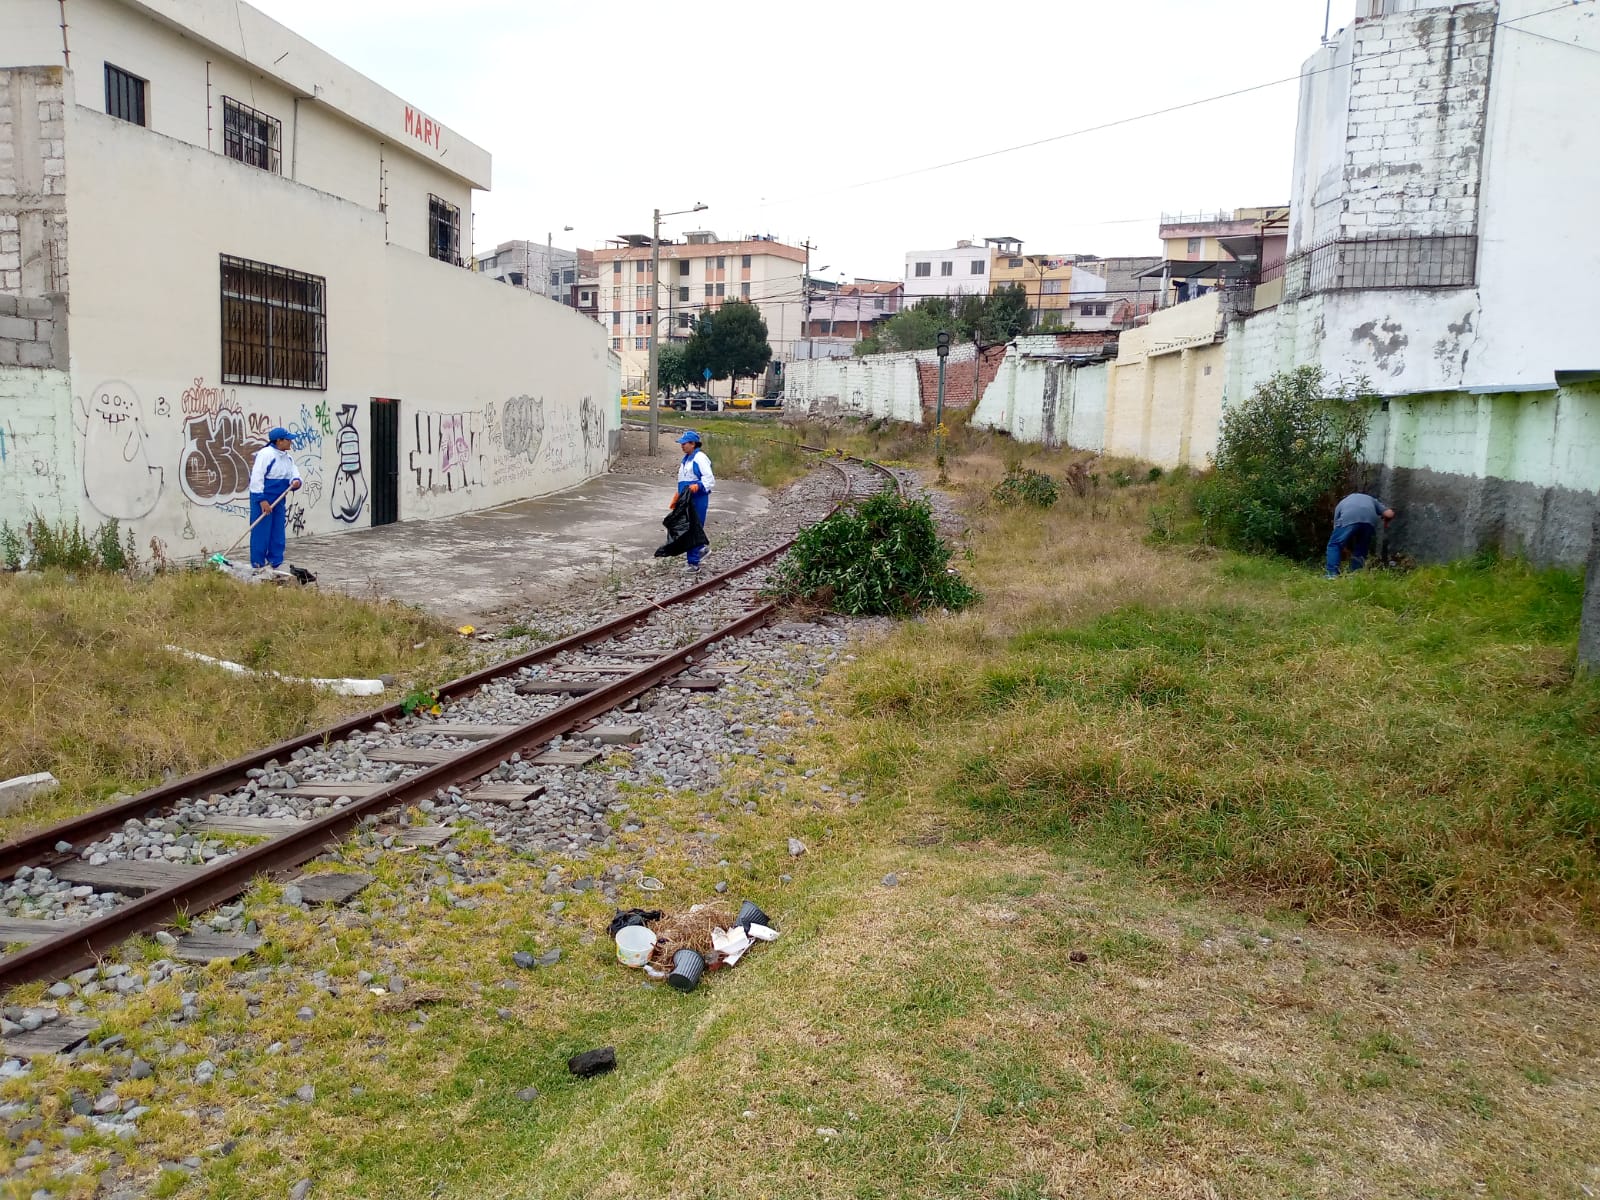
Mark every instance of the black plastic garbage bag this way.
pixel 684 531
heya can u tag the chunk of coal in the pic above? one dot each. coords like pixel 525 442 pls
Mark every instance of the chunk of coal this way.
pixel 593 1062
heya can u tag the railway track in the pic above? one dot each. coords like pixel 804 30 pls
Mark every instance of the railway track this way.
pixel 194 843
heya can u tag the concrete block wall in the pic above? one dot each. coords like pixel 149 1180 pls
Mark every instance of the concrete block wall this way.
pixel 1418 99
pixel 1516 472
pixel 876 387
pixel 1046 400
pixel 37 468
pixel 33 331
pixel 33 179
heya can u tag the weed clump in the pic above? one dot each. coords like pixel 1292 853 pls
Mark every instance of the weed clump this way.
pixel 1023 485
pixel 884 557
pixel 1282 457
pixel 41 544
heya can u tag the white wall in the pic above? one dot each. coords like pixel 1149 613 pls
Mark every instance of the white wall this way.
pixel 504 395
pixel 37 473
pixel 1044 400
pixel 1448 125
pixel 1538 254
pixel 878 386
pixel 333 119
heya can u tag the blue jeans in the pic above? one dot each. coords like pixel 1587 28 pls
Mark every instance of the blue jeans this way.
pixel 1358 538
pixel 702 501
pixel 267 538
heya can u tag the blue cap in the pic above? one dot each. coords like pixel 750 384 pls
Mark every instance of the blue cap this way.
pixel 690 435
pixel 278 433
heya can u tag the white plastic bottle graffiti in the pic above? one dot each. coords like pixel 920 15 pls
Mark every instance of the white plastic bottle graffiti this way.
pixel 349 491
pixel 118 477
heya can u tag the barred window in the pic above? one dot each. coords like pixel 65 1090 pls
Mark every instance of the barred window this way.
pixel 124 95
pixel 274 326
pixel 252 137
pixel 444 230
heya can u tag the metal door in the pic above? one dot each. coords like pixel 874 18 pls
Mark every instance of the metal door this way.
pixel 385 461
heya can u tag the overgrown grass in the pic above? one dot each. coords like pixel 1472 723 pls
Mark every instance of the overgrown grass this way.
pixel 93 696
pixel 1396 749
pixel 746 448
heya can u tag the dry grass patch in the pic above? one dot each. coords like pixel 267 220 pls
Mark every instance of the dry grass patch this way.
pixel 93 695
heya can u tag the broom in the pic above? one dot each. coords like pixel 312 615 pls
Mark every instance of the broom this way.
pixel 221 560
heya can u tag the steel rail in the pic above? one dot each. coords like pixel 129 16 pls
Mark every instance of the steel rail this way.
pixel 80 946
pixel 40 844
pixel 227 877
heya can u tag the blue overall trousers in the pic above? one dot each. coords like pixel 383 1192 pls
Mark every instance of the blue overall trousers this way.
pixel 267 538
pixel 702 501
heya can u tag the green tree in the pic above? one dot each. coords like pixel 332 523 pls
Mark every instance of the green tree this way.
pixel 994 319
pixel 672 368
pixel 917 327
pixel 1005 315
pixel 1283 457
pixel 731 341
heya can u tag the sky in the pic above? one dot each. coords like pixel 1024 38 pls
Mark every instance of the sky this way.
pixel 793 119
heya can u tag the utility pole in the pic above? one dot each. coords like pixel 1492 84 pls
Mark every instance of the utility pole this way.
pixel 655 344
pixel 655 313
pixel 805 320
pixel 938 414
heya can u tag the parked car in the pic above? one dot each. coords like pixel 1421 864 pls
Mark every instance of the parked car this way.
pixel 635 400
pixel 744 400
pixel 696 401
pixel 769 401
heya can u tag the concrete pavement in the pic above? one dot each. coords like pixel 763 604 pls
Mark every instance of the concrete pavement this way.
pixel 468 568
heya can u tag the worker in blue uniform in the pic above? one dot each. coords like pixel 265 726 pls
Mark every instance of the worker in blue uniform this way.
pixel 272 477
pixel 696 478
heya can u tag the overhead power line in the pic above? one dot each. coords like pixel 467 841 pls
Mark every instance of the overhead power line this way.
pixel 1153 113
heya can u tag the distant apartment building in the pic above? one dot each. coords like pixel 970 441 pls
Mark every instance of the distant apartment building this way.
pixel 550 271
pixel 698 275
pixel 962 270
pixel 586 291
pixel 209 228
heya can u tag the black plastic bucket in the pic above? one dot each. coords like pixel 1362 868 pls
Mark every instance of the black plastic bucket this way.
pixel 687 967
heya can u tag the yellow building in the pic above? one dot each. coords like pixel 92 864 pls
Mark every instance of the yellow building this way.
pixel 1046 278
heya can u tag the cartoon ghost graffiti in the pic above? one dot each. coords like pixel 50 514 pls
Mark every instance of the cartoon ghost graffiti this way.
pixel 118 477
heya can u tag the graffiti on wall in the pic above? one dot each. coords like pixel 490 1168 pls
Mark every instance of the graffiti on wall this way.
pixel 514 429
pixel 522 427
pixel 348 495
pixel 592 421
pixel 220 441
pixel 118 477
pixel 446 454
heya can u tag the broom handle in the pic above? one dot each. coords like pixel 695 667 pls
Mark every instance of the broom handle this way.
pixel 254 523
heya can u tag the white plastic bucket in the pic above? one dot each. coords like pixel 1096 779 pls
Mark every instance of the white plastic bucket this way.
pixel 634 943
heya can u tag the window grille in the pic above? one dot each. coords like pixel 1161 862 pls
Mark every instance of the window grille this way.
pixel 251 137
pixel 274 326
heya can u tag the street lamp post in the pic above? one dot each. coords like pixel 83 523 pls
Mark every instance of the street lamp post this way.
pixel 655 315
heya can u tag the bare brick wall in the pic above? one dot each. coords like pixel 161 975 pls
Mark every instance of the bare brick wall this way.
pixel 958 389
pixel 33 223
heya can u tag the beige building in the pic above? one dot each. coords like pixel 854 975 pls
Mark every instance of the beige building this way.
pixel 1045 278
pixel 209 227
pixel 699 274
